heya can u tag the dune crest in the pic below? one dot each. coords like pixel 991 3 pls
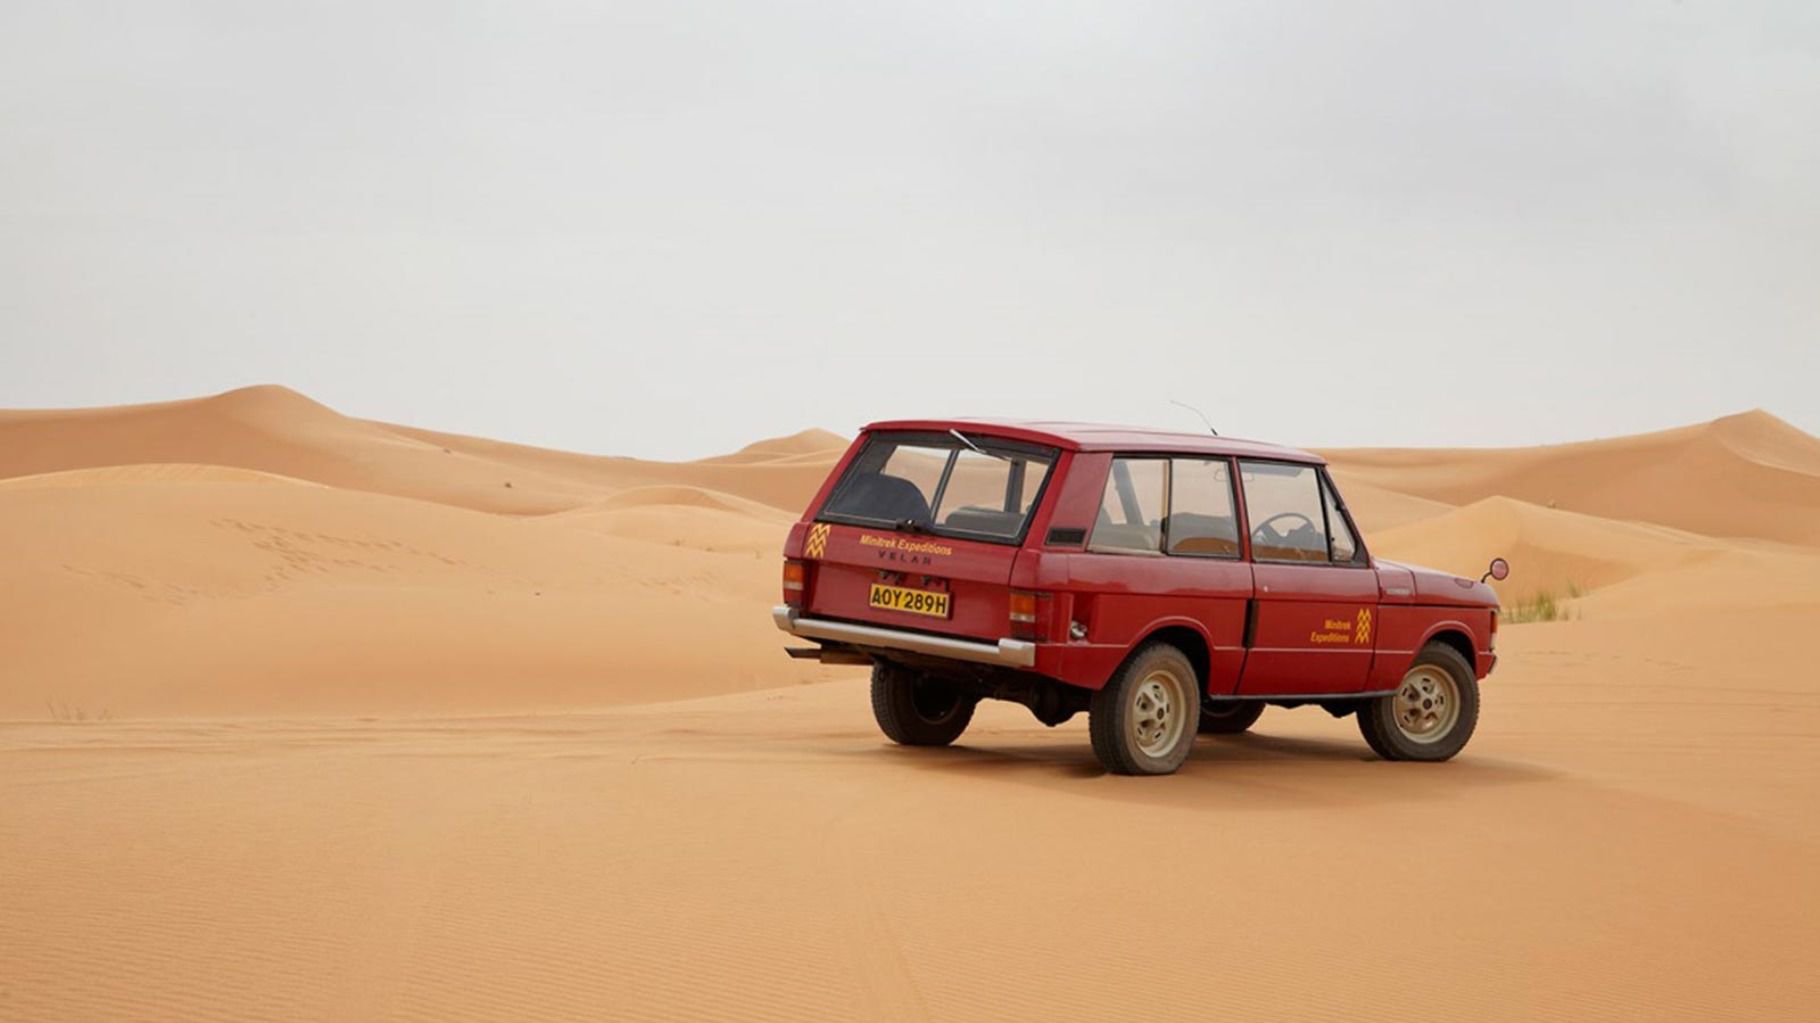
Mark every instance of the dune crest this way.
pixel 1746 476
pixel 151 472
pixel 275 430
pixel 813 443
pixel 694 497
pixel 399 570
pixel 408 567
pixel 1550 550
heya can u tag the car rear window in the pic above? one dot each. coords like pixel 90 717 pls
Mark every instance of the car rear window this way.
pixel 972 486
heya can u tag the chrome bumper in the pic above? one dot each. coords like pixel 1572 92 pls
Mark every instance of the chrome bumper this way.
pixel 1012 653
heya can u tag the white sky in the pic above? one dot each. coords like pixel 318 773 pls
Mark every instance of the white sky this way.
pixel 668 229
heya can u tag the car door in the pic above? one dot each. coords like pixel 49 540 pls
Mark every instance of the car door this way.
pixel 1316 596
pixel 1165 550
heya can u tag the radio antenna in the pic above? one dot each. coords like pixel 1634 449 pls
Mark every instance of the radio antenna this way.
pixel 1207 422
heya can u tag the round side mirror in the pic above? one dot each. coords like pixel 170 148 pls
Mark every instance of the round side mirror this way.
pixel 1500 570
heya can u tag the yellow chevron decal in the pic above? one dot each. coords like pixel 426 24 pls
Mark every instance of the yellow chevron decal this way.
pixel 818 540
pixel 1362 634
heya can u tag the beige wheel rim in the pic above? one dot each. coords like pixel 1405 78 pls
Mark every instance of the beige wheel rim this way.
pixel 1427 704
pixel 1158 710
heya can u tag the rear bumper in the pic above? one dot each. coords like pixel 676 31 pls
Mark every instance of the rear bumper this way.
pixel 1011 653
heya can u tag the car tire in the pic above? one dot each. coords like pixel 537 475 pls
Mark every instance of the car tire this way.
pixel 914 708
pixel 1145 719
pixel 1229 717
pixel 1431 715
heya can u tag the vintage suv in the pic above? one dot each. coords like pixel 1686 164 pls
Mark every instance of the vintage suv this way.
pixel 1169 584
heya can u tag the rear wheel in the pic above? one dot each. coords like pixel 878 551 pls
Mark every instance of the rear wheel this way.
pixel 1144 720
pixel 1431 715
pixel 914 708
pixel 1229 717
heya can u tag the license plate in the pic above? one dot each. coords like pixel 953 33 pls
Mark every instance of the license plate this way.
pixel 917 602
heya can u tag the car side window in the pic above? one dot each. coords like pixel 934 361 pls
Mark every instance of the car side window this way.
pixel 1284 503
pixel 1201 517
pixel 1344 547
pixel 1131 510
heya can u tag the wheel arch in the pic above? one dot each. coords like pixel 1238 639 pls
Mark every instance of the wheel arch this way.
pixel 1185 635
pixel 1457 636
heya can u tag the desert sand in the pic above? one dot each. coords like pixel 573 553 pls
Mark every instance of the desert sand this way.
pixel 310 717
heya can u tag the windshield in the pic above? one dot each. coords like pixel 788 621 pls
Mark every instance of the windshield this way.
pixel 970 486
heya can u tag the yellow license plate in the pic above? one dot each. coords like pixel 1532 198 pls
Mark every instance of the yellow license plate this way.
pixel 917 602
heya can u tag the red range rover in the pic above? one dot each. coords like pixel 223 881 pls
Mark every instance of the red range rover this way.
pixel 1168 584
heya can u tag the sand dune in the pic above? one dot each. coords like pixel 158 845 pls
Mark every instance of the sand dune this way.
pixel 1551 549
pixel 784 481
pixel 272 429
pixel 398 573
pixel 694 527
pixel 1566 554
pixel 1749 475
pixel 304 717
pixel 149 472
pixel 808 445
pixel 691 517
pixel 109 538
pixel 677 495
pixel 1375 508
pixel 155 598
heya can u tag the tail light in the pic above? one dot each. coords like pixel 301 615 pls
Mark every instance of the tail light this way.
pixel 1023 615
pixel 796 574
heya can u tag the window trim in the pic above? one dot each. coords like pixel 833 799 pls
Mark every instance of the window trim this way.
pixel 1322 487
pixel 1361 557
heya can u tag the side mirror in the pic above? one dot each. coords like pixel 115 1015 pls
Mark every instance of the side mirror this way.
pixel 1500 570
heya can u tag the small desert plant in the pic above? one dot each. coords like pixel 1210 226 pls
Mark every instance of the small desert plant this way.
pixel 67 712
pixel 1544 606
pixel 1540 607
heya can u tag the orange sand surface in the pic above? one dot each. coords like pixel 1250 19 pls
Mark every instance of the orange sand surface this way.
pixel 310 717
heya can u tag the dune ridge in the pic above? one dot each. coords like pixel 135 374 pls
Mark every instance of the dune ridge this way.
pixel 112 503
pixel 1745 476
pixel 155 569
pixel 273 429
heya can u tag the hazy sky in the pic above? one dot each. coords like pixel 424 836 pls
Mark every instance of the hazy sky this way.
pixel 670 228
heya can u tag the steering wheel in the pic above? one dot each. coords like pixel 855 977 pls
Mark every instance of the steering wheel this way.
pixel 1280 534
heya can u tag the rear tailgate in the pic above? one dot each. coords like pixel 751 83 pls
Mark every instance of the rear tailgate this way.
pixel 848 561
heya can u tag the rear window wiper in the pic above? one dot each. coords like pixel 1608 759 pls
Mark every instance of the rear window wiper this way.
pixel 976 449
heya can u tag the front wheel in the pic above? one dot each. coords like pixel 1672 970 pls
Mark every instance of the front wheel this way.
pixel 916 709
pixel 1431 715
pixel 1144 720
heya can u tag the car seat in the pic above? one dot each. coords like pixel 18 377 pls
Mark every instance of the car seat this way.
pixel 885 497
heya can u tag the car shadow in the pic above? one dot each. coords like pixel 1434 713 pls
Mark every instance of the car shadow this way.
pixel 1252 772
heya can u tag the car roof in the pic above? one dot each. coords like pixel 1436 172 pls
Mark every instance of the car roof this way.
pixel 1101 437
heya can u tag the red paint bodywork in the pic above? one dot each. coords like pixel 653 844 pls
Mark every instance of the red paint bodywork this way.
pixel 1123 600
